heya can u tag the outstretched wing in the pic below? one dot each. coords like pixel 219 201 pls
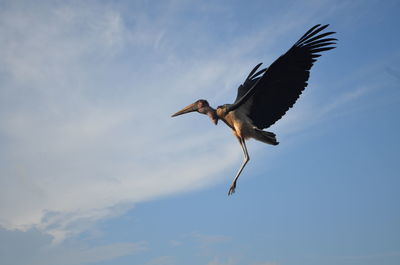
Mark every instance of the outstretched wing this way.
pixel 269 96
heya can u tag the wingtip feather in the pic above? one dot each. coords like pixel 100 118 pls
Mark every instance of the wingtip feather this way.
pixel 253 71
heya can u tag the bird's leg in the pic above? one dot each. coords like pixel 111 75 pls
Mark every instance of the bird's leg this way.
pixel 245 160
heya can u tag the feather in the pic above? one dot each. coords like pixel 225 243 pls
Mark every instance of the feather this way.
pixel 306 34
pixel 253 71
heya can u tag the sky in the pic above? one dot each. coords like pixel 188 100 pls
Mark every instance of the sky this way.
pixel 93 170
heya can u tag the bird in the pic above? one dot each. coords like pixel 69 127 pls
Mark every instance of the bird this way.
pixel 267 94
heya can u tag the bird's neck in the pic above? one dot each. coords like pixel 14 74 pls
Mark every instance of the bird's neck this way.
pixel 212 114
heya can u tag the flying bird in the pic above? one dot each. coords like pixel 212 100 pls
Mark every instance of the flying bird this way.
pixel 266 95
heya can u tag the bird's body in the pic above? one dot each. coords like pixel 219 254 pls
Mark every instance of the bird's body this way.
pixel 242 126
pixel 240 123
pixel 265 96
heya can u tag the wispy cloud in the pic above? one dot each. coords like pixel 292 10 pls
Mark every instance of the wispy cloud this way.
pixel 86 94
pixel 88 255
pixel 36 249
pixel 79 144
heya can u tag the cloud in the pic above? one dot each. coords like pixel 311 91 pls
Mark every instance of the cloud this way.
pixel 79 143
pixel 86 96
pixel 36 250
pixel 87 255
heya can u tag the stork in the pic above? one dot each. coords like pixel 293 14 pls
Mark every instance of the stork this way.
pixel 266 95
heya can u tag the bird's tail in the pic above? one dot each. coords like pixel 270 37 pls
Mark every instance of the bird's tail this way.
pixel 266 137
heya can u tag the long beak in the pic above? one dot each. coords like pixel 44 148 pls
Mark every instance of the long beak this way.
pixel 192 107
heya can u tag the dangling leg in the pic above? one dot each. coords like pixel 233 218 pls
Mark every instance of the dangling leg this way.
pixel 246 159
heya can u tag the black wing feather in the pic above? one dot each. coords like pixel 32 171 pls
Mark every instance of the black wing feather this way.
pixel 307 33
pixel 253 71
pixel 281 84
pixel 251 79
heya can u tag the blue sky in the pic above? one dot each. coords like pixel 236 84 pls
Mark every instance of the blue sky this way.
pixel 94 171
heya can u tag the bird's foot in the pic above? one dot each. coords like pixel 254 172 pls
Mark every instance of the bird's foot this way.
pixel 232 188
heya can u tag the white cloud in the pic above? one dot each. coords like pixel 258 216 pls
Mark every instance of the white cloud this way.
pixel 86 94
pixel 78 144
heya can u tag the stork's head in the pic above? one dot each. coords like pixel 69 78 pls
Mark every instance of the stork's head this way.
pixel 201 106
